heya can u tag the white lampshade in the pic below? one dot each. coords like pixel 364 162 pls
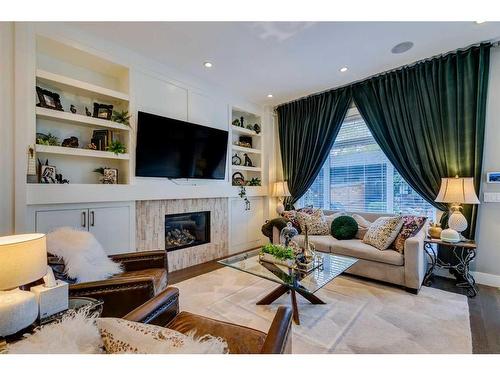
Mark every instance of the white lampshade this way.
pixel 457 190
pixel 23 259
pixel 280 189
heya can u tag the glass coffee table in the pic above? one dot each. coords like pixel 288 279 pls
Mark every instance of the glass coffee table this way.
pixel 290 280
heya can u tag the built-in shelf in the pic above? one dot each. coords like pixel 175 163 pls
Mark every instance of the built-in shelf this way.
pixel 68 151
pixel 240 130
pixel 243 168
pixel 68 117
pixel 246 149
pixel 78 87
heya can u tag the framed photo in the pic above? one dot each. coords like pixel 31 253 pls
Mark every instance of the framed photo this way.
pixel 103 111
pixel 48 174
pixel 110 176
pixel 493 177
pixel 48 99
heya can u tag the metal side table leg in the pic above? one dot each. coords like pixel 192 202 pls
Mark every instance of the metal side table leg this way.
pixel 432 253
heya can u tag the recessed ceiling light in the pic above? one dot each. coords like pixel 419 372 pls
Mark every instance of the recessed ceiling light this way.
pixel 402 47
pixel 480 22
pixel 207 64
pixel 343 69
pixel 269 95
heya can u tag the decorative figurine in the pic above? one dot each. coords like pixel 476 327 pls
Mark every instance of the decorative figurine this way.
pixel 236 122
pixel 70 142
pixel 87 112
pixel 236 160
pixel 248 162
pixel 72 108
pixel 287 233
pixel 242 122
pixel 61 180
pixel 256 128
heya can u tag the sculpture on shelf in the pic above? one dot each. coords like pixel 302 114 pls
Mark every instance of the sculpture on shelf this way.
pixel 71 142
pixel 87 112
pixel 72 108
pixel 248 161
pixel 236 160
pixel 256 128
pixel 242 122
pixel 236 122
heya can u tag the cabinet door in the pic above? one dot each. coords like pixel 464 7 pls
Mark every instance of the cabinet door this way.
pixel 255 221
pixel 46 221
pixel 238 223
pixel 111 226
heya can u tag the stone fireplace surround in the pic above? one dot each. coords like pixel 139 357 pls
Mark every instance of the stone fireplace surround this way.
pixel 150 229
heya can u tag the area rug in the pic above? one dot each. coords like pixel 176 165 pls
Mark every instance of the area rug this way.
pixel 359 316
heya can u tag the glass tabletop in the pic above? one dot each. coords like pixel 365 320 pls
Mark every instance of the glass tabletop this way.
pixel 310 282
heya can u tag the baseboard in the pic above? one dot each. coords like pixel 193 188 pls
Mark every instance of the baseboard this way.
pixel 481 278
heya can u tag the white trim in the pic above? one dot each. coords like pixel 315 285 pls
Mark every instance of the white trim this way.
pixel 482 278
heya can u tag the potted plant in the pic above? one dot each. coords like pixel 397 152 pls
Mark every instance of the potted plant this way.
pixel 277 254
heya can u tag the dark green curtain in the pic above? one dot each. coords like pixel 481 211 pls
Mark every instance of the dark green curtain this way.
pixel 429 120
pixel 307 129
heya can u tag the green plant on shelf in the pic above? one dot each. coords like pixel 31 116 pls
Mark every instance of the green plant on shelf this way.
pixel 254 182
pixel 121 117
pixel 47 139
pixel 117 147
pixel 278 251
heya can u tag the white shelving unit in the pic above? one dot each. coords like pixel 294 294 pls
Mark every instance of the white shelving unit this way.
pixel 255 153
pixel 81 79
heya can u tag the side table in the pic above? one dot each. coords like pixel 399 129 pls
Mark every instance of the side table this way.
pixel 463 252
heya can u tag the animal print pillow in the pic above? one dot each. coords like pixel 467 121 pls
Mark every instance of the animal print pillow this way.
pixel 383 231
pixel 315 222
pixel 411 225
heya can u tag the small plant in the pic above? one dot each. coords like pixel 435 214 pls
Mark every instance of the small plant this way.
pixel 47 139
pixel 99 170
pixel 117 147
pixel 254 182
pixel 121 117
pixel 278 251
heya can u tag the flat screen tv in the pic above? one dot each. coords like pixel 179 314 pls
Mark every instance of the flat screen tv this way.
pixel 178 149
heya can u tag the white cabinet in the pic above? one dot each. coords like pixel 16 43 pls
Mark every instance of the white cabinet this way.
pixel 245 233
pixel 111 225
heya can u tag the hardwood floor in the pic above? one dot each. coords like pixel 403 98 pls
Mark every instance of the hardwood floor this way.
pixel 484 309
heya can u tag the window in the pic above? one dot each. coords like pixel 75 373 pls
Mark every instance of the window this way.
pixel 357 176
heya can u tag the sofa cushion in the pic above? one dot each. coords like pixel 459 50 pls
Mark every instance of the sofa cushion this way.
pixel 411 225
pixel 383 232
pixel 157 275
pixel 315 222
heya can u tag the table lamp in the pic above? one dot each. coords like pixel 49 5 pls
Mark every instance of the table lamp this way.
pixel 280 190
pixel 456 191
pixel 23 259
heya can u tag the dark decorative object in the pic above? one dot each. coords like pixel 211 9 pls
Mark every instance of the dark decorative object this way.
pixel 48 99
pixel 248 161
pixel 243 194
pixel 72 108
pixel 70 142
pixel 121 117
pixel 87 112
pixel 242 122
pixel 110 176
pixel 254 182
pixel 236 160
pixel 344 228
pixel 238 179
pixel 48 174
pixel 61 180
pixel 256 128
pixel 244 139
pixel 249 127
pixel 102 139
pixel 47 139
pixel 103 111
pixel 236 122
pixel 287 233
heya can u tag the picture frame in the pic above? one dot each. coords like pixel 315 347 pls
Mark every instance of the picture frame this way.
pixel 493 177
pixel 103 111
pixel 48 99
pixel 48 174
pixel 110 176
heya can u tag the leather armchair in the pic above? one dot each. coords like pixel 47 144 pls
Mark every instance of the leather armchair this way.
pixel 144 276
pixel 163 310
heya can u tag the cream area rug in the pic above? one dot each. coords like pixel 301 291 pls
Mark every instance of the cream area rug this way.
pixel 359 316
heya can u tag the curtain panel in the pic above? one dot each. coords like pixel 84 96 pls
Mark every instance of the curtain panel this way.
pixel 307 130
pixel 429 119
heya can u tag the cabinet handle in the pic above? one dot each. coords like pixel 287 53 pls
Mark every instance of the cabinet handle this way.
pixel 84 219
pixel 92 218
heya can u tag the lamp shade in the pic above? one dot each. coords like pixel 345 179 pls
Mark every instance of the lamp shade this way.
pixel 23 259
pixel 457 190
pixel 280 189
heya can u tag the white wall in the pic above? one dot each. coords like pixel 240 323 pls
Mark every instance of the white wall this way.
pixel 488 233
pixel 7 128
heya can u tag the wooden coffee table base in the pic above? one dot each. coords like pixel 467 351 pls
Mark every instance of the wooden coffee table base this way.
pixel 282 289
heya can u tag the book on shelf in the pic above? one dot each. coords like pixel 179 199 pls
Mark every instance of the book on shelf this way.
pixel 101 139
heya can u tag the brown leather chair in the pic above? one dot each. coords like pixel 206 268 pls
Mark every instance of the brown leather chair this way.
pixel 144 276
pixel 163 310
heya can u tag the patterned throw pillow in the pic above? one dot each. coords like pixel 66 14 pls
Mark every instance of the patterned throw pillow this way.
pixel 122 336
pixel 316 223
pixel 411 225
pixel 382 233
pixel 291 216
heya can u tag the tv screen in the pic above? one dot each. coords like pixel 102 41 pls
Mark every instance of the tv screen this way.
pixel 178 149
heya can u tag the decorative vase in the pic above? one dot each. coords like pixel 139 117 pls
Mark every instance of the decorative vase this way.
pixel 287 233
pixel 435 230
pixel 309 250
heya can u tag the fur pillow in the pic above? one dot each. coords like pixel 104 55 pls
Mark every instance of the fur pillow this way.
pixel 382 233
pixel 125 337
pixel 315 222
pixel 411 225
pixel 84 257
pixel 76 333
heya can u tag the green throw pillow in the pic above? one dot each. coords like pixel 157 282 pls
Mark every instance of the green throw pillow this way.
pixel 344 228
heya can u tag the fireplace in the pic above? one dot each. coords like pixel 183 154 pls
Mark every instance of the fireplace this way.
pixel 186 230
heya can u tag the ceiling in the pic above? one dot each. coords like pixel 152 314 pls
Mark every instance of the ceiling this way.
pixel 287 59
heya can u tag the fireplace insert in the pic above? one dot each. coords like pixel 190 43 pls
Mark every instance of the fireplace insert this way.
pixel 186 230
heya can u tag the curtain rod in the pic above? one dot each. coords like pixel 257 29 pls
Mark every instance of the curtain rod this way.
pixel 493 42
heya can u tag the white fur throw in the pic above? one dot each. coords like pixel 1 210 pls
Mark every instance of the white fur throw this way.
pixel 77 333
pixel 83 255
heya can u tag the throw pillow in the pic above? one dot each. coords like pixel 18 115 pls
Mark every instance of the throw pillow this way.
pixel 315 223
pixel 344 228
pixel 291 216
pixel 125 337
pixel 411 225
pixel 83 256
pixel 329 218
pixel 76 333
pixel 363 226
pixel 382 233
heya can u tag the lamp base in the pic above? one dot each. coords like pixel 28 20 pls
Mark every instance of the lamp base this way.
pixel 18 309
pixel 280 208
